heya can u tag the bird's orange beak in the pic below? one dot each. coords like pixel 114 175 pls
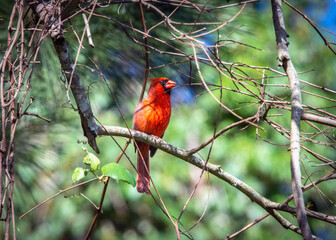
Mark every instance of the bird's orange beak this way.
pixel 170 84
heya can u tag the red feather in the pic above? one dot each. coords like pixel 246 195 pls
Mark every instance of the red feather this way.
pixel 151 116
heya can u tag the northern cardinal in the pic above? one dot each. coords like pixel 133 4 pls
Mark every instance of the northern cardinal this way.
pixel 151 116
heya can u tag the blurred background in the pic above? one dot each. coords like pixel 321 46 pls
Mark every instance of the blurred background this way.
pixel 47 153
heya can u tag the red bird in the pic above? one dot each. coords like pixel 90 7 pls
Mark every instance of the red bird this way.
pixel 151 116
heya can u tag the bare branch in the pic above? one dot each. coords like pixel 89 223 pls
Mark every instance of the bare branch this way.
pixel 88 31
pixel 84 109
pixel 247 226
pixel 99 209
pixel 55 195
pixel 318 119
pixel 216 170
pixel 313 24
pixel 47 13
pixel 146 51
pixel 285 61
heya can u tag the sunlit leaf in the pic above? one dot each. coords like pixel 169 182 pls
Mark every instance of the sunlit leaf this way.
pixel 78 174
pixel 118 173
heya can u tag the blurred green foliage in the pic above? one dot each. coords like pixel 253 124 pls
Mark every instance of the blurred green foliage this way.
pixel 46 154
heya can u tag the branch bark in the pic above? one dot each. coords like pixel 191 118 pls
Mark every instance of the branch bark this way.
pixel 296 108
pixel 216 170
pixel 47 12
pixel 89 125
pixel 318 119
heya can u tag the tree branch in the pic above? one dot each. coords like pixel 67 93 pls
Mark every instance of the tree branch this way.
pixel 84 109
pixel 318 119
pixel 313 24
pixel 48 13
pixel 285 61
pixel 55 195
pixel 211 168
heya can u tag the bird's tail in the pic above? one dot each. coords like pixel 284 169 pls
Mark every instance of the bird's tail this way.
pixel 143 178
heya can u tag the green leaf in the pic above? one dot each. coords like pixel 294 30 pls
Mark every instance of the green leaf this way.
pixel 92 160
pixel 78 174
pixel 118 173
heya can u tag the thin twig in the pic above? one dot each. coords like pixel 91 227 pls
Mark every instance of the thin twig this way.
pixel 313 24
pixel 146 51
pixel 247 226
pixel 88 31
pixel 55 195
pixel 98 209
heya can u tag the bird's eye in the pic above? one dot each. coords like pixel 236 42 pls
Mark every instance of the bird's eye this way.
pixel 163 83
